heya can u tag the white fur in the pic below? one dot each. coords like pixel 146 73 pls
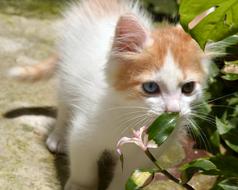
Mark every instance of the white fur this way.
pixel 97 119
pixel 95 113
pixel 170 79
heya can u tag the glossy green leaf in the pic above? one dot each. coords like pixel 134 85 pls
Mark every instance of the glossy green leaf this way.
pixel 231 62
pixel 219 24
pixel 226 46
pixel 162 127
pixel 230 76
pixel 188 170
pixel 139 179
pixel 228 184
pixel 233 100
pixel 228 133
pixel 226 165
pixel 223 127
pixel 233 146
pixel 231 139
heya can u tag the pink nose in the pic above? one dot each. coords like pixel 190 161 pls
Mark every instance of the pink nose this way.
pixel 172 106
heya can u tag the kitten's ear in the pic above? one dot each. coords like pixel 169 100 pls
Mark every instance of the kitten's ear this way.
pixel 130 35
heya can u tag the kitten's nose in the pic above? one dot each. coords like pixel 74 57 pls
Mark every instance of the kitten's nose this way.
pixel 172 106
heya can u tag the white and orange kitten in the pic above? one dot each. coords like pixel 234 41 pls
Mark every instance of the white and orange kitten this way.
pixel 117 71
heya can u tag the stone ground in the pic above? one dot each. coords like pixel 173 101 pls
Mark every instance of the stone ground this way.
pixel 25 162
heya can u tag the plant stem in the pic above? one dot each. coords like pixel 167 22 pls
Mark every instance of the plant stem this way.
pixel 165 172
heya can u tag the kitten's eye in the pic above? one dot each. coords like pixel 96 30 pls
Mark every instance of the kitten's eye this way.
pixel 188 88
pixel 151 87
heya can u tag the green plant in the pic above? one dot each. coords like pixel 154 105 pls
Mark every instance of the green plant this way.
pixel 33 8
pixel 218 114
pixel 147 138
pixel 221 119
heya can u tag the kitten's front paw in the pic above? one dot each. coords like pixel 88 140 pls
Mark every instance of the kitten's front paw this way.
pixel 73 186
pixel 56 142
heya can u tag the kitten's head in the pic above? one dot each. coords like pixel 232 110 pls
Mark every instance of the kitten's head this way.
pixel 162 69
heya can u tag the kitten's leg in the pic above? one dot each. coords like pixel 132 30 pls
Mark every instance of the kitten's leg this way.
pixel 83 164
pixel 56 140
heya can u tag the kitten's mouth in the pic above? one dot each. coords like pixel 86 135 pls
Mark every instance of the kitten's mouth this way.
pixel 183 114
pixel 154 114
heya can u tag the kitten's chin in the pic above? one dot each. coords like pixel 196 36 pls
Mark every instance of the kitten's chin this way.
pixel 185 113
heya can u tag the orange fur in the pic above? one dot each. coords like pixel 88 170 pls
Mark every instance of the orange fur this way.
pixel 186 52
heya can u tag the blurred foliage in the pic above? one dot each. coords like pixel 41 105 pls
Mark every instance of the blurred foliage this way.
pixel 216 127
pixel 162 9
pixel 33 8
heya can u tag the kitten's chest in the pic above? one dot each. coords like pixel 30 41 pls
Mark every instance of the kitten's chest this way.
pixel 112 125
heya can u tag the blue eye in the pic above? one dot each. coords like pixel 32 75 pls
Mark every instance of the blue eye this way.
pixel 151 87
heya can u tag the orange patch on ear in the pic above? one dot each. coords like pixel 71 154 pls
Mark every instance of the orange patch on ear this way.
pixel 184 49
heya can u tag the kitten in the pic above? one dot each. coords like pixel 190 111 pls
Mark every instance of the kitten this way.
pixel 116 72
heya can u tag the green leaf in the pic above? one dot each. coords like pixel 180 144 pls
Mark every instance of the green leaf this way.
pixel 226 165
pixel 226 46
pixel 231 139
pixel 218 25
pixel 162 127
pixel 228 133
pixel 162 6
pixel 230 76
pixel 139 179
pixel 215 139
pixel 233 100
pixel 231 62
pixel 223 127
pixel 228 184
pixel 189 169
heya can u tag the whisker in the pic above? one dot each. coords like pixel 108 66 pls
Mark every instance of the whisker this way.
pixel 131 119
pixel 130 114
pixel 213 100
pixel 200 135
pixel 126 107
pixel 202 114
pixel 79 108
pixel 142 120
pixel 209 120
